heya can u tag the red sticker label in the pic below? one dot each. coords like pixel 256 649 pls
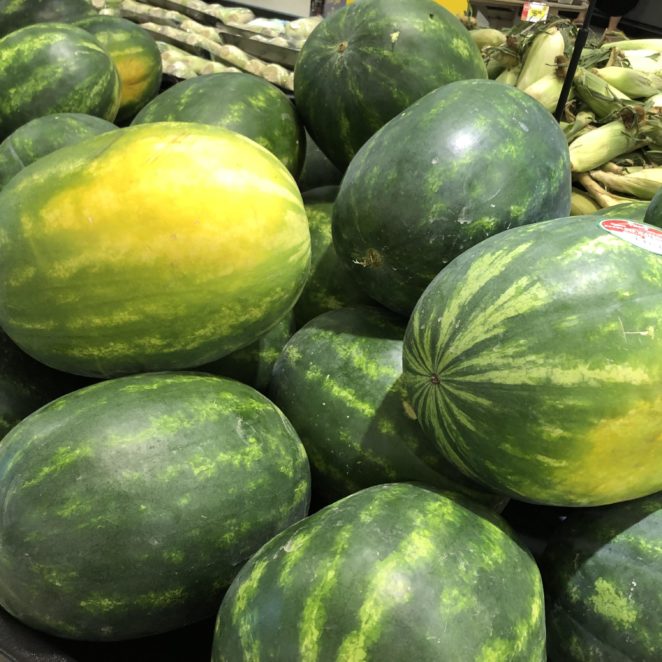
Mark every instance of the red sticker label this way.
pixel 644 236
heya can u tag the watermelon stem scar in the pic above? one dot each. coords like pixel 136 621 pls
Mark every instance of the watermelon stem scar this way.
pixel 372 258
pixel 434 378
pixel 342 46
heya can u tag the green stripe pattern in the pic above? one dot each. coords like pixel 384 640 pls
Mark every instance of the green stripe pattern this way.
pixel 15 14
pixel 535 362
pixel 654 212
pixel 604 584
pixel 155 247
pixel 366 63
pixel 394 572
pixel 240 102
pixel 54 68
pixel 136 57
pixel 44 135
pixel 129 506
pixel 339 382
pixel 458 166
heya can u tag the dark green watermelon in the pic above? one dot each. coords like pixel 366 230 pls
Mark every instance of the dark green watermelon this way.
pixel 535 361
pixel 240 102
pixel 254 364
pixel 653 214
pixel 15 14
pixel 369 61
pixel 330 285
pixel 129 506
pixel 44 135
pixel 54 68
pixel 26 384
pixel 394 572
pixel 467 161
pixel 339 382
pixel 136 57
pixel 317 170
pixel 603 583
pixel 631 211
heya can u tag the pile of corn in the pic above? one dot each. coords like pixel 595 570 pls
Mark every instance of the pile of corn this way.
pixel 613 120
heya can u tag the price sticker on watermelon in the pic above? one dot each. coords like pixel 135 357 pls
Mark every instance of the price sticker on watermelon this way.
pixel 639 234
pixel 533 12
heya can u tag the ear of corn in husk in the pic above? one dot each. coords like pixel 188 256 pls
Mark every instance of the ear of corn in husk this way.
pixel 486 37
pixel 540 59
pixel 601 197
pixel 635 84
pixel 547 89
pixel 636 45
pixel 603 99
pixel 643 184
pixel 509 76
pixel 582 204
pixel 494 68
pixel 590 150
pixel 649 62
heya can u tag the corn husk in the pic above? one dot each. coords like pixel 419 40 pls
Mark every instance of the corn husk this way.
pixel 509 76
pixel 603 99
pixel 603 198
pixel 494 68
pixel 583 121
pixel 590 150
pixel 632 83
pixel 654 104
pixel 649 62
pixel 546 90
pixel 487 37
pixel 643 184
pixel 582 204
pixel 541 57
pixel 636 45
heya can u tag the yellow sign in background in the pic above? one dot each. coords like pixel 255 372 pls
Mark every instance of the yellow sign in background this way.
pixel 454 6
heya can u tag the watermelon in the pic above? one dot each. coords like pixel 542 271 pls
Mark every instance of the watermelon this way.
pixel 458 166
pixel 26 385
pixel 240 102
pixel 330 285
pixel 534 361
pixel 339 382
pixel 44 135
pixel 136 57
pixel 317 170
pixel 130 505
pixel 653 214
pixel 200 244
pixel 394 572
pixel 254 364
pixel 631 211
pixel 15 14
pixel 366 63
pixel 54 68
pixel 604 586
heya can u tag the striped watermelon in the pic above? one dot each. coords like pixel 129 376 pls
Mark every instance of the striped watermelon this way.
pixel 330 285
pixel 366 63
pixel 604 586
pixel 129 506
pixel 535 362
pixel 632 211
pixel 451 170
pixel 44 135
pixel 54 68
pixel 162 246
pixel 654 212
pixel 317 170
pixel 395 572
pixel 339 382
pixel 240 102
pixel 136 57
pixel 15 14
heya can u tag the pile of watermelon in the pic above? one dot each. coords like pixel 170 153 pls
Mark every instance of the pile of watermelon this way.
pixel 330 377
